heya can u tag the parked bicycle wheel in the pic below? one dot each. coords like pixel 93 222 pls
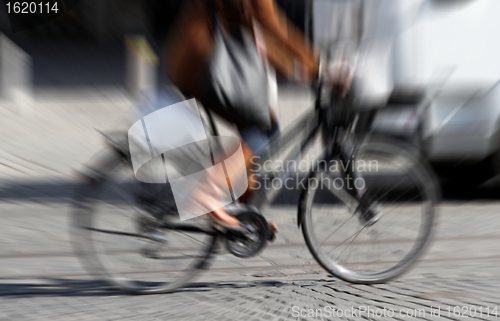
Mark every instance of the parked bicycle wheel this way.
pixel 382 236
pixel 116 232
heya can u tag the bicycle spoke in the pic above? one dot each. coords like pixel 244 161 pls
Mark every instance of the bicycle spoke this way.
pixel 331 234
pixel 353 238
pixel 354 235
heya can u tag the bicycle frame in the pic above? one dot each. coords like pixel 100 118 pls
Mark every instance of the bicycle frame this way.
pixel 311 124
pixel 277 144
pixel 336 138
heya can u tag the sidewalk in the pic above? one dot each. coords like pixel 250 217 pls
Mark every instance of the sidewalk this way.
pixel 41 279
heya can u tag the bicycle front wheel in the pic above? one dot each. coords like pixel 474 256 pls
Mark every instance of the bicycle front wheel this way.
pixel 120 240
pixel 401 194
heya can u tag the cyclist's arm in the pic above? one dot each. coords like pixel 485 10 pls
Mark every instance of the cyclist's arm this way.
pixel 275 24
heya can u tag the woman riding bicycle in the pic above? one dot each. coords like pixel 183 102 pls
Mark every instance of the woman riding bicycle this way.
pixel 369 234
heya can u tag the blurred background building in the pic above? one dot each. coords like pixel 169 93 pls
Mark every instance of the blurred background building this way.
pixel 97 28
pixel 438 46
pixel 89 38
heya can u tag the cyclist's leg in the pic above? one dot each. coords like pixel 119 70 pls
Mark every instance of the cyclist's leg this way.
pixel 259 139
pixel 256 142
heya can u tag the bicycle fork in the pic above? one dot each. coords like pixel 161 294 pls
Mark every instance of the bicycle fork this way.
pixel 346 148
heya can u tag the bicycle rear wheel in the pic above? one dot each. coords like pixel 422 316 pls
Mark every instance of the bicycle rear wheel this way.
pixel 402 194
pixel 122 243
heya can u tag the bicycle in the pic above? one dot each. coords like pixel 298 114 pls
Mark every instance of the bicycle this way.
pixel 337 222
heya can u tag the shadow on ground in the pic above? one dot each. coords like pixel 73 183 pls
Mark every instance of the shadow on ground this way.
pixel 83 288
pixel 65 191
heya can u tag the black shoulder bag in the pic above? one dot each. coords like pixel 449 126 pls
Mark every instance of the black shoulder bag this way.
pixel 235 78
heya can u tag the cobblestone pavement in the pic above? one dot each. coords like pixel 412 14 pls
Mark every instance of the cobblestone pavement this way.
pixel 40 279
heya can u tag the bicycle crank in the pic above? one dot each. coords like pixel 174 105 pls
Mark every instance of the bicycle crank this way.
pixel 251 238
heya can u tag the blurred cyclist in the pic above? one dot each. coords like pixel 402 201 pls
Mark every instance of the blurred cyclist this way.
pixel 188 51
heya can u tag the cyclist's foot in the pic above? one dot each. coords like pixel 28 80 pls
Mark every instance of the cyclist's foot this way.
pixel 221 218
pixel 273 230
pixel 273 227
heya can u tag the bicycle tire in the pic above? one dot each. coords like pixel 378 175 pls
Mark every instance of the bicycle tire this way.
pixel 427 184
pixel 85 249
